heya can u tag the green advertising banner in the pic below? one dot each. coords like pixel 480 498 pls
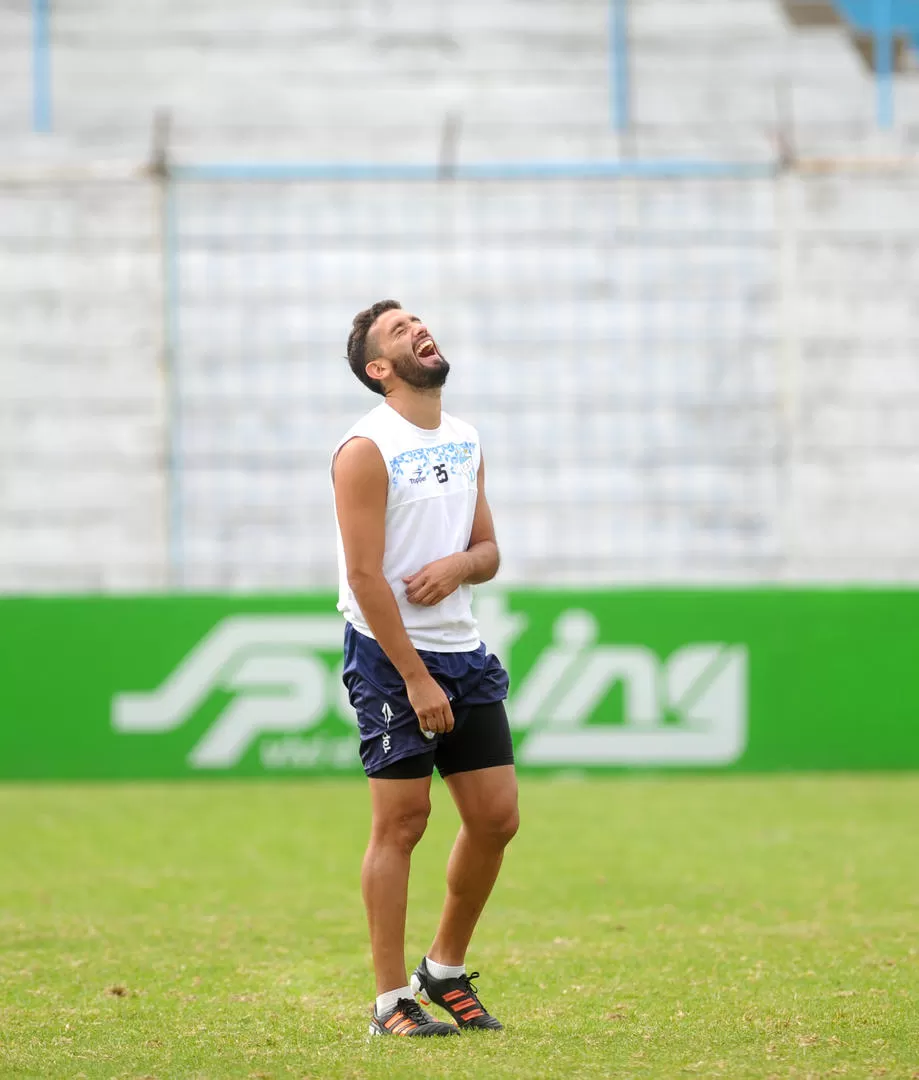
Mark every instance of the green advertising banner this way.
pixel 175 686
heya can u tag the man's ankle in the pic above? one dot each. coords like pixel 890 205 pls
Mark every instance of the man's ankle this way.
pixel 444 971
pixel 386 1001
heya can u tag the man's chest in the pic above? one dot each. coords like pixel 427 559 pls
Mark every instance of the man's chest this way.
pixel 426 471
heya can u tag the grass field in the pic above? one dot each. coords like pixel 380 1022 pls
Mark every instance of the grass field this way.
pixel 764 927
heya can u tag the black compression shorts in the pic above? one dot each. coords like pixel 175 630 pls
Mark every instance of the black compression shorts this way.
pixel 480 739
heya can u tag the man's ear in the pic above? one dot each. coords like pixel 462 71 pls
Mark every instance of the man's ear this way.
pixel 379 369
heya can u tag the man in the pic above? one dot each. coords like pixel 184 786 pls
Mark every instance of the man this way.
pixel 415 533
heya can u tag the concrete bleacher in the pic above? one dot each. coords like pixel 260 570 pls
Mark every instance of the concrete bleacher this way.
pixel 16 67
pixel 374 80
pixel 856 424
pixel 731 71
pixel 82 409
pixel 328 79
pixel 693 381
pixel 602 337
pixel 718 381
pixel 684 382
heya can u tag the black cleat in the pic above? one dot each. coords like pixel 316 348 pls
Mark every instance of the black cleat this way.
pixel 457 996
pixel 408 1018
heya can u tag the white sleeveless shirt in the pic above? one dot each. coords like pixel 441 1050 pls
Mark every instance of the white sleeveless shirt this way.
pixel 430 505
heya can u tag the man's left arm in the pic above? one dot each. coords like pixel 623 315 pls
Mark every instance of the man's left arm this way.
pixel 477 564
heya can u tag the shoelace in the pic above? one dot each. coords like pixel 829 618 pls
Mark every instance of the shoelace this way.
pixel 467 982
pixel 411 1009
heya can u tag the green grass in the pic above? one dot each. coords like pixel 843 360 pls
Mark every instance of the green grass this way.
pixel 728 927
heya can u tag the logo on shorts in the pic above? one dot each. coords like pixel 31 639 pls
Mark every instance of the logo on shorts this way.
pixel 387 717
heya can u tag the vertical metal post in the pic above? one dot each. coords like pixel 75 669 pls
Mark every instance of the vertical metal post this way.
pixel 160 172
pixel 174 462
pixel 884 60
pixel 41 66
pixel 787 187
pixel 619 64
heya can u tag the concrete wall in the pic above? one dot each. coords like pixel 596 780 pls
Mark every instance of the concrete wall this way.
pixel 82 406
pixel 717 74
pixel 613 341
pixel 854 506
pixel 682 381
pixel 675 381
pixel 375 79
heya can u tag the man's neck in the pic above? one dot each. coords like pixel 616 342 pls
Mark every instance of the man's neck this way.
pixel 420 407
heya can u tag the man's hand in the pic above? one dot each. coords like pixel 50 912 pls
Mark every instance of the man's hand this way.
pixel 430 704
pixel 437 580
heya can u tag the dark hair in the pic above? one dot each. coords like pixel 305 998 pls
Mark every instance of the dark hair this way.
pixel 358 357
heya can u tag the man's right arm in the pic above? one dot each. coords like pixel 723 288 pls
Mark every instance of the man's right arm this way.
pixel 361 483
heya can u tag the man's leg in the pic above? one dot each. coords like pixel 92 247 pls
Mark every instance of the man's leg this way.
pixel 477 763
pixel 487 804
pixel 400 811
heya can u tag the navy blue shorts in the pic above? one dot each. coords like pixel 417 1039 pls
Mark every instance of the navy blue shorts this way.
pixel 389 728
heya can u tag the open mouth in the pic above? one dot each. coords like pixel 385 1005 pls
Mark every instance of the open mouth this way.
pixel 426 350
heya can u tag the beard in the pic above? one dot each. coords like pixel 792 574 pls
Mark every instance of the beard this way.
pixel 421 376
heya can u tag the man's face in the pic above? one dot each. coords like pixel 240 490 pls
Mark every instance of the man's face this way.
pixel 404 342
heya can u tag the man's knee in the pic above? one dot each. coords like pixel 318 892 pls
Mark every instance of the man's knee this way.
pixel 402 828
pixel 497 825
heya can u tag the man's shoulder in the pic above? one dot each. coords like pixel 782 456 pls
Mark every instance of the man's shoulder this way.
pixel 362 428
pixel 360 443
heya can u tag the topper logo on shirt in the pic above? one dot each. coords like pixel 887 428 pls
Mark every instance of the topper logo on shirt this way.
pixel 444 460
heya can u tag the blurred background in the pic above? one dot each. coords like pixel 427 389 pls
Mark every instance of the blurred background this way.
pixel 671 250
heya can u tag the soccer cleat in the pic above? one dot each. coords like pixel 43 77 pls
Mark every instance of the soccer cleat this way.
pixel 408 1018
pixel 457 996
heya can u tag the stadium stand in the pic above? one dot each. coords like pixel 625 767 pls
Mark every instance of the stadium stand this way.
pixel 374 80
pixel 16 65
pixel 748 348
pixel 82 431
